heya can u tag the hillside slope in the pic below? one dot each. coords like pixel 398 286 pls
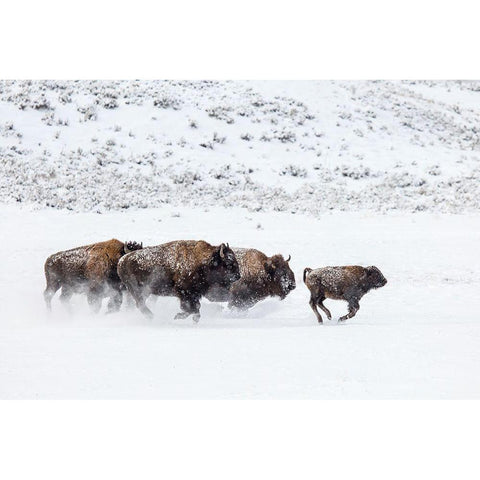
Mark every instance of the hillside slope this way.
pixel 296 146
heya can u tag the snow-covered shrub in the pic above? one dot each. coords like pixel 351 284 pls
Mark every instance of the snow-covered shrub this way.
pixel 109 103
pixel 353 172
pixel 89 112
pixel 246 136
pixel 65 98
pixel 48 118
pixel 166 101
pixel 286 136
pixel 434 170
pixel 294 171
pixel 221 113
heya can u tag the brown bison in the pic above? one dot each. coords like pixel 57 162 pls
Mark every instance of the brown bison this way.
pixel 341 283
pixel 184 269
pixel 91 269
pixel 261 277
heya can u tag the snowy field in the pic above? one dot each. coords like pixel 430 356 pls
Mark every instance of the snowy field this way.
pixel 333 173
pixel 418 337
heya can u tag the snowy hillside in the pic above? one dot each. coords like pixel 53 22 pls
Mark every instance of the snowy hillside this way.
pixel 292 146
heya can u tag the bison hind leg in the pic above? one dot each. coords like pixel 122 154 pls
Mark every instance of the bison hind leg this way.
pixel 313 306
pixel 324 308
pixel 95 297
pixel 139 293
pixel 49 293
pixel 53 284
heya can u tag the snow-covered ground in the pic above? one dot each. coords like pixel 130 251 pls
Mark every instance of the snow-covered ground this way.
pixel 418 337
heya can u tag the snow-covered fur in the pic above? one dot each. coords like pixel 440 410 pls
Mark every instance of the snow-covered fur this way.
pixel 91 269
pixel 182 268
pixel 261 277
pixel 349 283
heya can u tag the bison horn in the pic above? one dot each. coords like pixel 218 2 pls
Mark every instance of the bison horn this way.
pixel 222 254
pixel 289 257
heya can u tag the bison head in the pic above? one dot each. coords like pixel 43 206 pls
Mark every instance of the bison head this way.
pixel 280 274
pixel 130 246
pixel 375 278
pixel 223 267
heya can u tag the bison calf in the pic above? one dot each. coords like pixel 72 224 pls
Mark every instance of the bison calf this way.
pixel 91 269
pixel 185 269
pixel 341 283
pixel 261 277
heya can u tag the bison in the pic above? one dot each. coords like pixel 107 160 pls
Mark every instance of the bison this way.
pixel 183 268
pixel 348 283
pixel 261 277
pixel 91 269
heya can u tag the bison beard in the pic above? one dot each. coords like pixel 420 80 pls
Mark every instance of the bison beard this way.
pixel 91 269
pixel 261 277
pixel 185 269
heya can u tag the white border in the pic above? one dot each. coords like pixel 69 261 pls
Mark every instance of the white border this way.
pixel 252 39
pixel 239 440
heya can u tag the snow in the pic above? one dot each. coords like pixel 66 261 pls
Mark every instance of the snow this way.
pixel 417 337
pixel 308 146
pixel 381 173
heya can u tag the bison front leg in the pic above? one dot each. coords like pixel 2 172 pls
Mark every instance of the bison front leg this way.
pixel 353 307
pixel 190 305
pixel 241 297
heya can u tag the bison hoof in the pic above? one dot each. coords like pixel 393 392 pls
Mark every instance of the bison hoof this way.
pixel 181 315
pixel 196 317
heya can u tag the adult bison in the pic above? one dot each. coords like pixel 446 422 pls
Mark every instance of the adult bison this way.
pixel 183 268
pixel 261 277
pixel 349 283
pixel 91 269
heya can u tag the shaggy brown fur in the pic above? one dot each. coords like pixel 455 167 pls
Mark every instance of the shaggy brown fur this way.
pixel 348 283
pixel 185 269
pixel 261 277
pixel 91 269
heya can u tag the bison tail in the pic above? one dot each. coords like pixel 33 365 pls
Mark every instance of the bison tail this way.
pixel 305 273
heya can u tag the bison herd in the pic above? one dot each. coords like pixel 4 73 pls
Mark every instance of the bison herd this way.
pixel 190 270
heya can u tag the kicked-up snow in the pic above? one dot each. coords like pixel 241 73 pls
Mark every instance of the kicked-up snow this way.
pixel 417 337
